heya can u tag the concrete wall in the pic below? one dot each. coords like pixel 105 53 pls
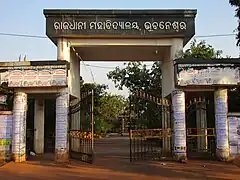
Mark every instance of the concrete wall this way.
pixel 65 52
pixel 168 83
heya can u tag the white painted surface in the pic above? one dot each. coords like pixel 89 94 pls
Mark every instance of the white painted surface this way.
pixel 65 52
pixel 221 110
pixel 5 130
pixel 209 76
pixel 62 103
pixel 234 134
pixel 168 82
pixel 74 76
pixel 178 103
pixel 78 42
pixel 19 123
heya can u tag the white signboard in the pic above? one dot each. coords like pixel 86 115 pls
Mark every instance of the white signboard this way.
pixel 208 76
pixel 35 76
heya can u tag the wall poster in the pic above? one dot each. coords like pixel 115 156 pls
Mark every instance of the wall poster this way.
pixel 35 76
pixel 234 134
pixel 5 134
pixel 178 103
pixel 62 102
pixel 221 119
pixel 19 124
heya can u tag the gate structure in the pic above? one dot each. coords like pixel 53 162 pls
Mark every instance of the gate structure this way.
pixel 82 128
pixel 200 129
pixel 150 128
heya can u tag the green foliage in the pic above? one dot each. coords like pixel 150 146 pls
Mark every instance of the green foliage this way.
pixel 136 76
pixel 111 106
pixel 201 50
pixel 101 125
pixel 106 107
pixel 236 4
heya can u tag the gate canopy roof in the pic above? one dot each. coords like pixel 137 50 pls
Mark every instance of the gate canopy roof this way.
pixel 120 24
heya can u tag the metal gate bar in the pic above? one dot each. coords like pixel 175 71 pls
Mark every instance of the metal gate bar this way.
pixel 81 133
pixel 146 144
pixel 193 135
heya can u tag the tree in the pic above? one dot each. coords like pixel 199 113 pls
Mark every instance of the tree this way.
pixel 109 109
pixel 236 4
pixel 136 76
pixel 111 106
pixel 201 50
pixel 99 90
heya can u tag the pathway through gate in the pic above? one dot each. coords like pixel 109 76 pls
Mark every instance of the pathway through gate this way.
pixel 200 120
pixel 108 167
pixel 150 128
pixel 81 128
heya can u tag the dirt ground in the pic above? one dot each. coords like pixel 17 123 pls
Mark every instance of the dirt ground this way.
pixel 110 164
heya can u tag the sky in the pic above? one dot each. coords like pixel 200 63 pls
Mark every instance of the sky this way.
pixel 26 17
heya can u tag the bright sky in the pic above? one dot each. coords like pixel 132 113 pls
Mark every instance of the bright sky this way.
pixel 26 17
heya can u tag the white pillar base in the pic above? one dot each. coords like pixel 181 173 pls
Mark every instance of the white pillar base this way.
pixel 19 127
pixel 178 102
pixel 221 111
pixel 61 141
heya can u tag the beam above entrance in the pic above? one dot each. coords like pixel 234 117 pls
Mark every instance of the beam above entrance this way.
pixel 120 24
pixel 120 53
pixel 119 42
pixel 33 90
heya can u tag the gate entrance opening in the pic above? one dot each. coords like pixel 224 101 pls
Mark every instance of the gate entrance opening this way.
pixel 44 141
pixel 125 35
pixel 81 124
pixel 49 125
pixel 120 35
pixel 200 121
pixel 150 127
pixel 30 125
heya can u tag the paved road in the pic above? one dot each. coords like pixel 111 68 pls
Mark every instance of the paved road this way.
pixel 110 165
pixel 113 146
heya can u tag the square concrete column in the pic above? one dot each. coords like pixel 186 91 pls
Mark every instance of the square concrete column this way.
pixel 178 103
pixel 39 126
pixel 221 121
pixel 67 53
pixel 63 50
pixel 167 67
pixel 61 138
pixel 201 118
pixel 19 127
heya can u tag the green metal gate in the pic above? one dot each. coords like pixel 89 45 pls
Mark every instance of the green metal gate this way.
pixel 150 140
pixel 201 141
pixel 81 127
